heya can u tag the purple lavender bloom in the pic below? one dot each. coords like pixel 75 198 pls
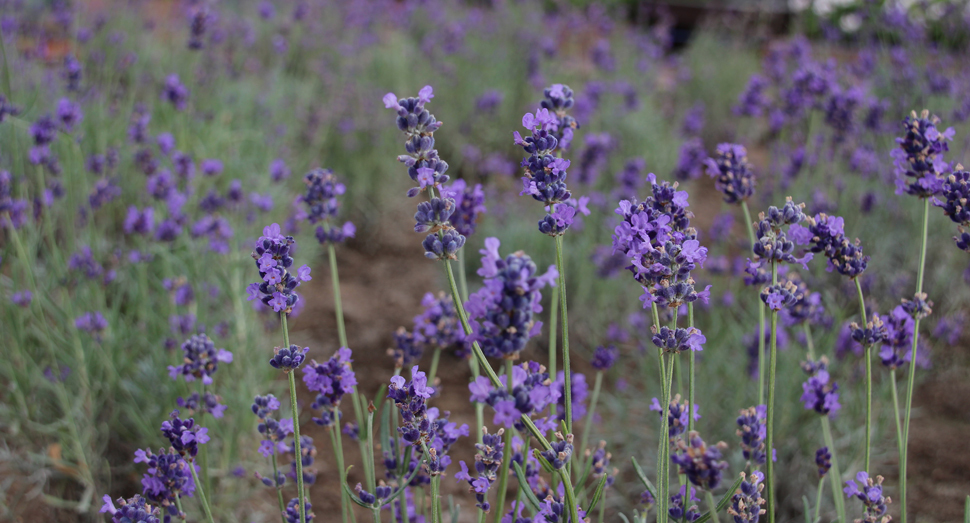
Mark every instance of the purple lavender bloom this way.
pixel 869 491
pixel 168 476
pixel 605 357
pixel 331 380
pixel 406 350
pixel 693 120
pixel 684 509
pixel 558 101
pixel 105 190
pixel 896 348
pixel 677 416
pixel 166 143
pixel 140 118
pixel 133 510
pixel 278 171
pixel 502 312
pixel 532 393
pixel 746 503
pixel 272 257
pixel 826 234
pixel 678 340
pixel 552 511
pixel 184 435
pixel 731 172
pixel 168 230
pixel 545 177
pixel 753 431
pixel 487 464
pixel 211 167
pixel 201 360
pixel 69 114
pixel 411 397
pixel 956 190
pixel 781 295
pixel 433 215
pixel 560 452
pixel 419 125
pixel 83 261
pixel 289 358
pixel 872 333
pixel 594 157
pixel 469 205
pixel 197 26
pixel 823 459
pixel 208 403
pixel 140 221
pixel 443 247
pixel 693 158
pixel 292 513
pixel 267 10
pixel 701 463
pixel 752 101
pixel 920 156
pixel 579 390
pixel 72 73
pixel 820 394
pixel 489 101
pixel 91 322
pixel 438 327
pixel 22 298
pixel 175 93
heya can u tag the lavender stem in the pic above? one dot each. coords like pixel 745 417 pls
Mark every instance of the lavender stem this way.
pixel 868 356
pixel 770 421
pixel 202 498
pixel 279 490
pixel 294 409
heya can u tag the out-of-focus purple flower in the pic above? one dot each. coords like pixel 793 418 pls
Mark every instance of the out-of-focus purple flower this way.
pixel 201 360
pixel 823 459
pixel 211 167
pixel 93 323
pixel 166 143
pixel 489 100
pixel 919 163
pixel 105 190
pixel 22 298
pixel 869 491
pixel 692 161
pixel 199 19
pixel 684 509
pixel 700 462
pixel 140 118
pixel 278 171
pixel 605 357
pixel 752 101
pixel 746 503
pixel 594 157
pixel 469 205
pixel 140 221
pixel 292 513
pixel 72 73
pixel 752 430
pixel 956 191
pixel 331 380
pixel 69 114
pixel 174 92
pixel 731 172
pixel 678 413
pixel 207 403
pixel 133 510
pixel 820 394
pixel 693 120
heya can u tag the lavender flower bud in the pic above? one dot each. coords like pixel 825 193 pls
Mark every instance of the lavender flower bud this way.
pixel 870 493
pixel 746 503
pixel 289 358
pixel 731 172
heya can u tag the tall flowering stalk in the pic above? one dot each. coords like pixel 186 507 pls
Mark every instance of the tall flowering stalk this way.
pixel 774 247
pixel 921 172
pixel 545 180
pixel 444 242
pixel 278 291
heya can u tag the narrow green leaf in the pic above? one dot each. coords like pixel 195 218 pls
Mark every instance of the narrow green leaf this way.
pixel 353 497
pixel 597 494
pixel 524 486
pixel 643 478
pixel 723 503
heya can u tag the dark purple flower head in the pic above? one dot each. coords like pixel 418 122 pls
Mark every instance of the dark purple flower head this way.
pixel 199 19
pixel 753 101
pixel 502 312
pixel 560 453
pixel 678 340
pixel 201 360
pixel 211 166
pixel 962 240
pixel 133 510
pixel 289 358
pixel 684 509
pixel 174 92
pixel 781 295
pixel 331 380
pixel 918 161
pixel 168 476
pixel 605 357
pixel 424 165
pixel 292 514
pixel 753 431
pixel 731 172
pixel 747 501
pixel 22 298
pixel 558 101
pixel 869 491
pixel 411 398
pixel 823 459
pixel 69 114
pixel 820 393
pixel 873 333
pixel 91 322
pixel 487 464
pixel 184 435
pixel 140 118
pixel 826 234
pixel 323 205
pixel 72 73
pixel 532 393
pixel 278 171
pixel 263 405
pixel 438 327
pixel 444 246
pixel 956 190
pixel 677 416
pixel 105 190
pixel 701 463
pixel 272 257
pixel 406 351
pixel 692 160
pixel 433 215
pixel 919 307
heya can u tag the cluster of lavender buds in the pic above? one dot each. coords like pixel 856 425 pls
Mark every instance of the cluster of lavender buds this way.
pixel 772 243
pixel 684 508
pixel 381 492
pixel 274 432
pixel 201 360
pixel 823 459
pixel 134 510
pixel 731 172
pixel 405 351
pixel 701 463
pixel 956 190
pixel 693 158
pixel 438 326
pixel 307 454
pixel 918 161
pixel 322 206
pixel 292 513
pixel 605 357
pixel 919 307
pixel 678 340
pixel 869 491
pixel 545 173
pixel 655 235
pixel 532 391
pixel 411 398
pixel 781 295
pixel 819 393
pixel 807 307
pixel 469 205
pixel 895 351
pixel 175 93
pixel 12 211
pixel 502 312
pixel 677 416
pixel 184 435
pixel 874 332
pixel 826 234
pixel 95 323
pixel 272 256
pixel 551 511
pixel 488 460
pixel 746 503
pixel 289 358
pixel 560 453
pixel 331 380
pixel 168 476
pixel 206 403
pixel 753 431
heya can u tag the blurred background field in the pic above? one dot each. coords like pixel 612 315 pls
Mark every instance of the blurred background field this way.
pixel 279 88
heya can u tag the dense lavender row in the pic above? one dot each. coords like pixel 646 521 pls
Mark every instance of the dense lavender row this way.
pixel 131 206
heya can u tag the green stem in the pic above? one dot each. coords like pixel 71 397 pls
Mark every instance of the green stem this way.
pixel 201 491
pixel 504 473
pixel 462 277
pixel 592 411
pixel 553 324
pixel 434 365
pixel 836 473
pixel 690 373
pixel 178 505
pixel 818 498
pixel 294 410
pixel 338 451
pixel 710 501
pixel 567 371
pixel 770 422
pixel 912 364
pixel 279 490
pixel 899 427
pixel 761 312
pixel 868 356
pixel 337 303
pixel 472 362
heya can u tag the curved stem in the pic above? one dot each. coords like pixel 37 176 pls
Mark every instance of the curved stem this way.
pixel 769 440
pixel 818 498
pixel 201 491
pixel 868 357
pixel 912 365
